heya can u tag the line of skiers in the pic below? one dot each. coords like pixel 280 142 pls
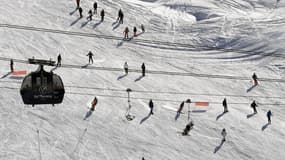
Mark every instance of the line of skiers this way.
pixel 126 68
pixel 126 31
pixel 90 13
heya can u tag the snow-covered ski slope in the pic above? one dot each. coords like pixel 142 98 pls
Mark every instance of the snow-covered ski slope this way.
pixel 204 50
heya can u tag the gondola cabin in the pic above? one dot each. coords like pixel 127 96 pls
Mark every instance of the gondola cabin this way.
pixel 41 87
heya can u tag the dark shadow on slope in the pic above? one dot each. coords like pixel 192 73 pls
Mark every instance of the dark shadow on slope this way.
pixel 75 21
pixel 199 111
pixel 250 115
pixel 85 66
pixel 250 88
pixel 139 78
pixel 84 24
pixel 122 76
pixel 219 146
pixel 96 24
pixel 88 114
pixel 145 118
pixel 5 75
pixel 265 126
pixel 177 116
pixel 117 24
pixel 16 78
pixel 220 115
pixel 72 12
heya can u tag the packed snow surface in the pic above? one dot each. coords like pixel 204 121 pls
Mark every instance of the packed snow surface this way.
pixel 204 50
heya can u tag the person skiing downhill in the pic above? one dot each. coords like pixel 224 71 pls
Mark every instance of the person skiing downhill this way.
pixel 225 105
pixel 94 103
pixel 143 69
pixel 269 114
pixel 224 134
pixel 126 68
pixel 90 55
pixel 253 105
pixel 126 33
pixel 135 31
pixel 90 15
pixel 58 61
pixel 180 107
pixel 80 10
pixel 150 104
pixel 102 14
pixel 95 7
pixel 188 127
pixel 11 65
pixel 254 77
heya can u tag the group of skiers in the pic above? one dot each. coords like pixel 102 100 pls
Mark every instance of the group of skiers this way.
pixel 91 12
pixel 126 31
pixel 126 68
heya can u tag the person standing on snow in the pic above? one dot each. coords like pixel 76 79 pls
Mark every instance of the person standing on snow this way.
pixel 225 105
pixel 58 61
pixel 95 7
pixel 142 28
pixel 11 65
pixel 126 33
pixel 143 69
pixel 150 104
pixel 102 14
pixel 254 77
pixel 269 114
pixel 90 15
pixel 224 134
pixel 90 55
pixel 94 103
pixel 77 4
pixel 126 68
pixel 135 31
pixel 80 10
pixel 120 16
pixel 253 105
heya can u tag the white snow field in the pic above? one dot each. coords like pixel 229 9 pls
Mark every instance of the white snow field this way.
pixel 204 50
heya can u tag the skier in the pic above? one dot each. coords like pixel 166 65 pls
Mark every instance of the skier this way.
pixel 181 107
pixel 95 7
pixel 58 61
pixel 135 31
pixel 269 114
pixel 90 55
pixel 254 77
pixel 188 127
pixel 224 134
pixel 120 16
pixel 102 14
pixel 225 105
pixel 80 10
pixel 150 104
pixel 78 3
pixel 11 65
pixel 142 28
pixel 90 15
pixel 94 103
pixel 126 68
pixel 126 32
pixel 143 69
pixel 253 106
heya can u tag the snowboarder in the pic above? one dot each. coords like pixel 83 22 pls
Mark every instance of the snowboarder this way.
pixel 269 114
pixel 90 55
pixel 58 61
pixel 150 104
pixel 142 28
pixel 94 103
pixel 90 15
pixel 11 65
pixel 254 77
pixel 102 14
pixel 225 105
pixel 80 10
pixel 126 68
pixel 143 69
pixel 77 4
pixel 180 107
pixel 224 134
pixel 135 31
pixel 126 33
pixel 95 7
pixel 253 105
pixel 188 127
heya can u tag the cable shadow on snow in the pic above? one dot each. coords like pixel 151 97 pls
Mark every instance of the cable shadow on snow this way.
pixel 145 118
pixel 265 126
pixel 219 146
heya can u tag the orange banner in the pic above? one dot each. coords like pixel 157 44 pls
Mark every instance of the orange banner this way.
pixel 202 103
pixel 19 73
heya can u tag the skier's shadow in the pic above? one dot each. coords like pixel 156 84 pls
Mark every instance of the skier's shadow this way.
pixel 117 24
pixel 265 126
pixel 88 114
pixel 139 78
pixel 251 88
pixel 5 75
pixel 75 21
pixel 219 146
pixel 122 76
pixel 84 24
pixel 145 118
pixel 97 24
pixel 71 13
pixel 177 116
pixel 250 115
pixel 220 115
pixel 85 66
